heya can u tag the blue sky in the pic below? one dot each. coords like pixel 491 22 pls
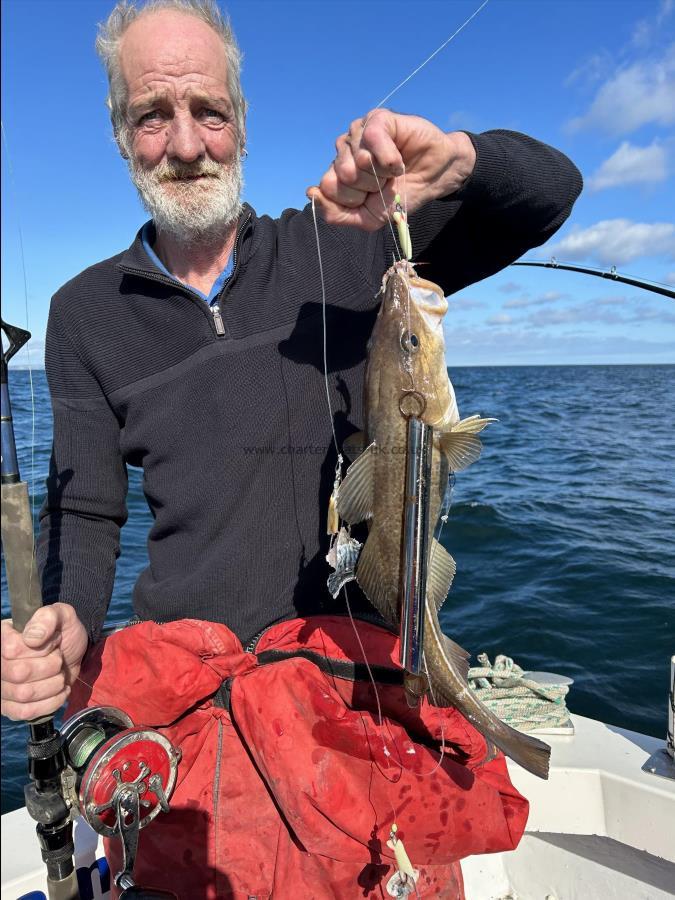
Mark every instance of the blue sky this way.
pixel 594 78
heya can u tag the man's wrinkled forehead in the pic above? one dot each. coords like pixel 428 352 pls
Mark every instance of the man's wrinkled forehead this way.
pixel 171 44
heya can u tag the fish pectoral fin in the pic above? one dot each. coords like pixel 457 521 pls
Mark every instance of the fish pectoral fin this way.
pixel 461 449
pixel 442 568
pixel 370 576
pixel 461 445
pixel 354 445
pixel 355 494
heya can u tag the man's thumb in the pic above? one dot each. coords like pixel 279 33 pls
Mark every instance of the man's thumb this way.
pixel 41 627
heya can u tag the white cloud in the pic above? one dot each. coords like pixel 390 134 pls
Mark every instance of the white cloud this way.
pixel 460 304
pixel 635 95
pixel 509 288
pixel 646 29
pixel 460 120
pixel 610 301
pixel 649 314
pixel 584 312
pixel 499 319
pixel 540 300
pixel 617 241
pixel 517 345
pixel 631 165
pixel 616 310
pixel 592 70
pixel 518 302
pixel 670 278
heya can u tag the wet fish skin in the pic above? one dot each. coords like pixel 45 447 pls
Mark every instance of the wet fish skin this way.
pixel 406 373
pixel 393 371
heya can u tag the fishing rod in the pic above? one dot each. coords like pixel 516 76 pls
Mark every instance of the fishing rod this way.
pixel 653 286
pixel 118 776
pixel 44 797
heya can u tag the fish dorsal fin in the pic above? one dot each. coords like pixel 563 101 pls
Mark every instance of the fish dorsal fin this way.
pixel 371 579
pixel 354 445
pixel 441 571
pixel 355 494
pixel 461 445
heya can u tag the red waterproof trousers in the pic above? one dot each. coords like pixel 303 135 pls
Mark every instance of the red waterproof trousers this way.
pixel 288 784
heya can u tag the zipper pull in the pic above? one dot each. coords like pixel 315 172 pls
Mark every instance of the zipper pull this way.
pixel 218 319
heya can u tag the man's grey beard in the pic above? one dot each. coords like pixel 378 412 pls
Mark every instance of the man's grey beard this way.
pixel 190 211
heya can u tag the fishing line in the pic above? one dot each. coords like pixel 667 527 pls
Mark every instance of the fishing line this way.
pixel 85 683
pixel 381 720
pixel 429 58
pixel 384 205
pixel 404 82
pixel 14 191
pixel 330 409
pixel 380 717
pixel 316 229
pixel 325 336
pixel 365 659
pixel 381 726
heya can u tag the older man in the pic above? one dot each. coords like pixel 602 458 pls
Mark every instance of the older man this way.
pixel 199 348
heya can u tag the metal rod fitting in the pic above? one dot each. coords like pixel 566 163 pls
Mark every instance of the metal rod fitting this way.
pixel 415 544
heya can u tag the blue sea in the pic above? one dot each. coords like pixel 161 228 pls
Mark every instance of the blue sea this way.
pixel 563 533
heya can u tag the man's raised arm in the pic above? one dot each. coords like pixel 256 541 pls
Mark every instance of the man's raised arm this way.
pixel 476 202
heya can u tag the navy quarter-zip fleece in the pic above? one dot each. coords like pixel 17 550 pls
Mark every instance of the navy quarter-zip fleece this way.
pixel 227 413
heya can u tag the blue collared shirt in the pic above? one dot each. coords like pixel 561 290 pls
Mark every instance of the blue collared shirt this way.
pixel 217 284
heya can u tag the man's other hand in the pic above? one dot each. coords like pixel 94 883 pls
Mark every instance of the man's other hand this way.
pixel 370 164
pixel 40 664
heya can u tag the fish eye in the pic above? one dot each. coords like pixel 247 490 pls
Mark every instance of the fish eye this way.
pixel 409 342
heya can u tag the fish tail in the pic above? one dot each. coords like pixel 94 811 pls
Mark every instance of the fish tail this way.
pixel 450 685
pixel 529 752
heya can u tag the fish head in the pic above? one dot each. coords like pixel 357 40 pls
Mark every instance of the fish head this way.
pixel 408 340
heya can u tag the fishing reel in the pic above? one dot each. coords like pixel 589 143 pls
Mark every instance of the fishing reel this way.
pixel 119 777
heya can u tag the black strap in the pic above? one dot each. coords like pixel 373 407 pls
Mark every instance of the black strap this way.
pixel 338 668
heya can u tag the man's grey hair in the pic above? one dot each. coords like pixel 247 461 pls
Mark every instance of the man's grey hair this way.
pixel 111 32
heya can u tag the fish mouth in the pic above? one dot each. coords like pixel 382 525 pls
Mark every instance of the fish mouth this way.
pixel 430 302
pixel 403 288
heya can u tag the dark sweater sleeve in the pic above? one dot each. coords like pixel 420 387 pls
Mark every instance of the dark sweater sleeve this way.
pixel 85 506
pixel 519 194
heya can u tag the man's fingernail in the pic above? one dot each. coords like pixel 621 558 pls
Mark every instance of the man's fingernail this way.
pixel 35 633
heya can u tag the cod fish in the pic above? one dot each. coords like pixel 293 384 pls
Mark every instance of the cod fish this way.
pixel 406 375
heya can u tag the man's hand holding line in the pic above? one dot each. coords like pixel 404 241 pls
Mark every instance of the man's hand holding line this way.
pixel 372 158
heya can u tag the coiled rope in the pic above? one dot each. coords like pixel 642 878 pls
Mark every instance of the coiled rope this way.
pixel 521 702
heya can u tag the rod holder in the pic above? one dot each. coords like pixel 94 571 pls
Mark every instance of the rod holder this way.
pixel 662 761
pixel 670 739
pixel 14 338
